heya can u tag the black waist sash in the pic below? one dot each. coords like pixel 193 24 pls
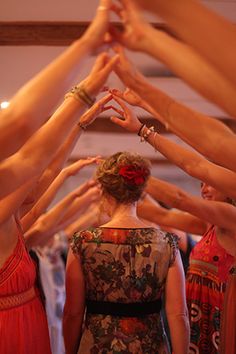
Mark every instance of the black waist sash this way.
pixel 135 309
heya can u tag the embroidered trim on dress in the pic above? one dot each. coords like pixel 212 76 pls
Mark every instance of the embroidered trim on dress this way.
pixel 8 302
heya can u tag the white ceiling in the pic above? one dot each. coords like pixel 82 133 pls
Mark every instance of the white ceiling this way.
pixel 19 64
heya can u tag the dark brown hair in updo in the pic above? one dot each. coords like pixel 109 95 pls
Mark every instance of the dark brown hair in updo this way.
pixel 124 176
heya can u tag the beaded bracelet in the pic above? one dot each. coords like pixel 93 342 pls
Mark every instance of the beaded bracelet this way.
pixel 145 132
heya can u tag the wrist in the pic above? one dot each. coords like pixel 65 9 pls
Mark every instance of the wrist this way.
pixel 83 44
pixel 147 42
pixel 139 128
pixel 79 93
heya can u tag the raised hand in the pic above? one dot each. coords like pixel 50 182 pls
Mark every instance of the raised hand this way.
pixel 129 120
pixel 98 107
pixel 129 96
pixel 136 30
pixel 99 73
pixel 74 168
pixel 96 32
pixel 126 70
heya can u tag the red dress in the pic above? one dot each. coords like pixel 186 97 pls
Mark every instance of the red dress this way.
pixel 23 323
pixel 207 277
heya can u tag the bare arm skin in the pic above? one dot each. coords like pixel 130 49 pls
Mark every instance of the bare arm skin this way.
pixel 49 223
pixel 188 160
pixel 181 120
pixel 204 30
pixel 50 193
pixel 150 210
pixel 180 58
pixel 23 165
pixel 176 308
pixel 75 305
pixel 33 104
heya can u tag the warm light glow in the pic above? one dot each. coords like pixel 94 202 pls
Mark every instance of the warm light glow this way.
pixel 4 104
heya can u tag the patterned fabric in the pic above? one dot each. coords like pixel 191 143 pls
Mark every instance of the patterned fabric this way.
pixel 124 265
pixel 206 284
pixel 23 328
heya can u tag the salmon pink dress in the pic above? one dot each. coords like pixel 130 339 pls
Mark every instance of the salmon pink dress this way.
pixel 23 323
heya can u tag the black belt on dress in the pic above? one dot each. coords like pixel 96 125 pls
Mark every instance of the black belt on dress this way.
pixel 135 309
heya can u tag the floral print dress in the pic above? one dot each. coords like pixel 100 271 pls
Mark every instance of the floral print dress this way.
pixel 125 266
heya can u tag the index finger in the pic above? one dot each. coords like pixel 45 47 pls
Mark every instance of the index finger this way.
pixel 105 99
pixel 121 103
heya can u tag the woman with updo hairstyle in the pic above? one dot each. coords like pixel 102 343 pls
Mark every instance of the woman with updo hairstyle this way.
pixel 117 273
pixel 124 176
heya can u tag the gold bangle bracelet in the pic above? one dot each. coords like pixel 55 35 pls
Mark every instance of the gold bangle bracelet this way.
pixel 81 95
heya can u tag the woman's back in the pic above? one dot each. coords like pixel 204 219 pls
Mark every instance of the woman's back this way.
pixel 124 266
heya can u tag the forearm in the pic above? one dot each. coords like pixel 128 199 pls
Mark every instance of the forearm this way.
pixel 74 211
pixel 165 192
pixel 183 221
pixel 179 332
pixel 184 158
pixel 72 329
pixel 46 225
pixel 41 95
pixel 43 92
pixel 206 35
pixel 43 146
pixel 190 66
pixel 196 166
pixel 175 115
pixel 85 221
pixel 172 219
pixel 57 163
pixel 217 213
pixel 54 168
pixel 42 204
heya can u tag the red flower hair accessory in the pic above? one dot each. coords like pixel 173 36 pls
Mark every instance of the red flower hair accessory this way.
pixel 133 176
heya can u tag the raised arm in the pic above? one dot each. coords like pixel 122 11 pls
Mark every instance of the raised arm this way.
pixel 40 207
pixel 78 207
pixel 182 120
pixel 47 224
pixel 63 153
pixel 191 162
pixel 213 212
pixel 150 210
pixel 180 58
pixel 217 213
pixel 203 29
pixel 24 164
pixel 86 220
pixel 36 100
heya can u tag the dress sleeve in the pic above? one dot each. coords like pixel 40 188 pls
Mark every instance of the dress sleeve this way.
pixel 173 241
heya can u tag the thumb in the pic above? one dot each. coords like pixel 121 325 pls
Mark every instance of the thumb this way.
pixel 111 64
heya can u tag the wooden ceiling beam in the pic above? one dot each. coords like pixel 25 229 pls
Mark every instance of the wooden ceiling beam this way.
pixel 46 33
